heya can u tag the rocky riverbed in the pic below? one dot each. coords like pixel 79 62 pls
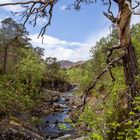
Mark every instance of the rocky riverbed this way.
pixel 54 125
pixel 52 112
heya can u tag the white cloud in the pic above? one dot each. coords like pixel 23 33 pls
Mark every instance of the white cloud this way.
pixel 5 1
pixel 41 21
pixel 15 8
pixel 62 49
pixel 64 7
pixel 135 19
pixel 102 33
pixel 52 41
pixel 68 50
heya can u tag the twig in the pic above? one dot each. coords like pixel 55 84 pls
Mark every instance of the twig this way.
pixel 138 4
pixel 109 53
pixel 35 9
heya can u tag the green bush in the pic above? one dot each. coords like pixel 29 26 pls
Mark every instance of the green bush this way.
pixel 19 90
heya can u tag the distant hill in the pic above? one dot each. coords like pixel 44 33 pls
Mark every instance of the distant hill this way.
pixel 69 64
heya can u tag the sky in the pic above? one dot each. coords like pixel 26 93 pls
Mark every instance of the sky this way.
pixel 72 33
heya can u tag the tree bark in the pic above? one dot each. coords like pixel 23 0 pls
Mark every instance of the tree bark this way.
pixel 5 59
pixel 130 70
pixel 130 63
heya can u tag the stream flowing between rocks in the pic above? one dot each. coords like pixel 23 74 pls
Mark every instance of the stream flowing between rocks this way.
pixel 50 127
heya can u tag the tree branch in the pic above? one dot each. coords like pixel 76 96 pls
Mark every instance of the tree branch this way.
pixel 34 10
pixel 109 52
pixel 110 17
pixel 137 5
pixel 92 84
pixel 21 3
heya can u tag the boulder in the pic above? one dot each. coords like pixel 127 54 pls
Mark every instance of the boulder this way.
pixel 14 129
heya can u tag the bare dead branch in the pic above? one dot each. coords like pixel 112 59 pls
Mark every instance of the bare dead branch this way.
pixel 21 3
pixel 109 8
pixel 92 84
pixel 77 4
pixel 88 92
pixel 110 17
pixel 135 13
pixel 111 74
pixel 43 30
pixel 137 5
pixel 109 13
pixel 109 52
pixel 34 10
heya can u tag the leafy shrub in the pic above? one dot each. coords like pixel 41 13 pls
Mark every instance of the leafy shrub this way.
pixel 19 90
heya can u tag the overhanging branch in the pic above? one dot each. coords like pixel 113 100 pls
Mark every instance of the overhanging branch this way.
pixel 92 84
pixel 34 10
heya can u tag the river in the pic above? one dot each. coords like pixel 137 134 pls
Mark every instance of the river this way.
pixel 50 127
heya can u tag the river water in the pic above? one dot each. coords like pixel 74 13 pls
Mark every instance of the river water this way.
pixel 50 127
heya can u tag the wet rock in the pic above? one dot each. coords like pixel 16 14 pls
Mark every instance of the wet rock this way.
pixel 55 98
pixel 58 107
pixel 56 85
pixel 41 110
pixel 67 99
pixel 47 121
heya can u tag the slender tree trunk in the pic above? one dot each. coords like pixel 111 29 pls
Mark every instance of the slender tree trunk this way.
pixel 5 59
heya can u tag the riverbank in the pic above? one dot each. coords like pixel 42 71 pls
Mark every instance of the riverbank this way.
pixel 42 121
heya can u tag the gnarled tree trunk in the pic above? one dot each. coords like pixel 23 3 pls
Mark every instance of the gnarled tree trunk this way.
pixel 130 70
pixel 129 60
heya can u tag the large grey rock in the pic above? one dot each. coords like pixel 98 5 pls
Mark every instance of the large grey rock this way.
pixel 14 129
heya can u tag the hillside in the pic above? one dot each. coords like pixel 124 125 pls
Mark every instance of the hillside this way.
pixel 69 64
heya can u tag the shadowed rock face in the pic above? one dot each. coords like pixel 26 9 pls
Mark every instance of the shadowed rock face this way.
pixel 14 129
pixel 57 85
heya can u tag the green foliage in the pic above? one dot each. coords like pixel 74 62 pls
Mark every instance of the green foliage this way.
pixel 52 67
pixel 136 39
pixel 19 90
pixel 107 116
pixel 30 71
pixel 81 75
pixel 62 126
pixel 90 125
pixel 13 36
pixel 36 120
